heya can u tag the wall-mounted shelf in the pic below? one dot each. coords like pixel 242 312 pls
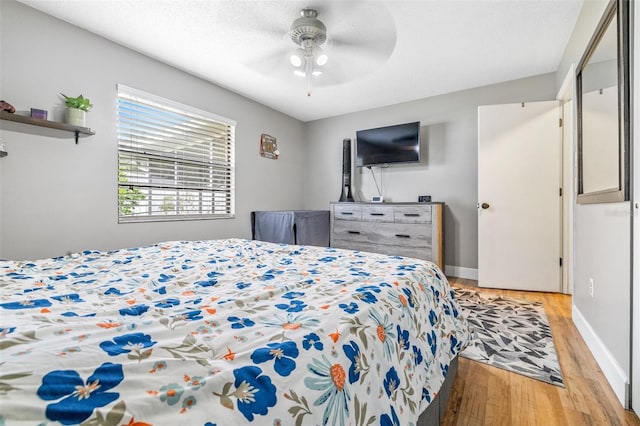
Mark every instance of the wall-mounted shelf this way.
pixel 40 127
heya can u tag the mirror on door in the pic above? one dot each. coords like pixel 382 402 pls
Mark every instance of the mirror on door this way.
pixel 603 109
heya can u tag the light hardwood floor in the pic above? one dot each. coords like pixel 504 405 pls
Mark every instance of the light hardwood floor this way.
pixel 484 395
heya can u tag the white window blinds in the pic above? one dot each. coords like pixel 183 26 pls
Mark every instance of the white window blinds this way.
pixel 175 162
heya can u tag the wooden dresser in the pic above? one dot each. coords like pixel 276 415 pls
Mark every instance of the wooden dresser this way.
pixel 402 229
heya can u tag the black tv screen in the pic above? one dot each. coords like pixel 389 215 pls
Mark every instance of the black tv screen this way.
pixel 388 145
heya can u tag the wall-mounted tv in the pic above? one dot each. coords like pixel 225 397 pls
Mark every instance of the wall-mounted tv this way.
pixel 388 145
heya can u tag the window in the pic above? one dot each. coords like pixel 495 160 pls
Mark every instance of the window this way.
pixel 175 162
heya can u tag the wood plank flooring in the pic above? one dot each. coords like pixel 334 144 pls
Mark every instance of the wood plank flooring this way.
pixel 484 395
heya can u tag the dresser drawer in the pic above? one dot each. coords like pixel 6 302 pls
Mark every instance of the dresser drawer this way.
pixel 411 214
pixel 350 230
pixel 423 253
pixel 377 214
pixel 407 235
pixel 347 212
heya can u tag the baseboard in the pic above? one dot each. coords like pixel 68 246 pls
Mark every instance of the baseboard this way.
pixel 461 272
pixel 614 374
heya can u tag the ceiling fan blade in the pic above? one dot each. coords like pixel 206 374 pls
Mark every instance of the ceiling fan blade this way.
pixel 269 61
pixel 331 77
pixel 360 38
pixel 381 47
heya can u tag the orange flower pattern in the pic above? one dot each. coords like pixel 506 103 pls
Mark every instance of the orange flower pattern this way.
pixel 225 332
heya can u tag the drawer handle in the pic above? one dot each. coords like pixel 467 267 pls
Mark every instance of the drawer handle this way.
pixel 412 214
pixel 376 214
pixel 403 236
pixel 354 232
pixel 347 213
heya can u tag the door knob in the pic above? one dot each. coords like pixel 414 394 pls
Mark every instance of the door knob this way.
pixel 485 206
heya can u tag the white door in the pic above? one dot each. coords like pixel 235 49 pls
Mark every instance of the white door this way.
pixel 519 203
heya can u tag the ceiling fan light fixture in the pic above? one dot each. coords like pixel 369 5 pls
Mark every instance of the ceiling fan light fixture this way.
pixel 297 58
pixel 321 57
pixel 316 73
pixel 295 61
pixel 299 73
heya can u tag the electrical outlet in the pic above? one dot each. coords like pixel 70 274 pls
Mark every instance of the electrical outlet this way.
pixel 591 287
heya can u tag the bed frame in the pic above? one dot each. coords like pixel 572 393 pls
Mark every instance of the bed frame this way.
pixel 434 413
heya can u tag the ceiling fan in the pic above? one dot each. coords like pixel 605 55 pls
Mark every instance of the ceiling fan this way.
pixel 309 33
pixel 357 39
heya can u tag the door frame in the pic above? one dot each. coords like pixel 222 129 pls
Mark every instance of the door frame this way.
pixel 568 176
pixel 634 180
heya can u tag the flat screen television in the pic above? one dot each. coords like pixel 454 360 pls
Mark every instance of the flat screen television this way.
pixel 388 145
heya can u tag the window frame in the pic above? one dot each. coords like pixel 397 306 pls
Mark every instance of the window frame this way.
pixel 218 167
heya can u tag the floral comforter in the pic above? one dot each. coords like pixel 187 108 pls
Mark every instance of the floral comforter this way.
pixel 224 332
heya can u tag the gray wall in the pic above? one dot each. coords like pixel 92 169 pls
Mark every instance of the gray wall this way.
pixel 448 170
pixel 56 196
pixel 602 237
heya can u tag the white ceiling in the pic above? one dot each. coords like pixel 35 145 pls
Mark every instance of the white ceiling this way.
pixel 380 52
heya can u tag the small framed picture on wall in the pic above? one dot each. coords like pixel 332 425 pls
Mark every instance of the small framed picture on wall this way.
pixel 269 146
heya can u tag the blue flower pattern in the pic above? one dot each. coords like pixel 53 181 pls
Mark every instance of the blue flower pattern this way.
pixel 237 322
pixel 77 398
pixel 126 343
pixel 350 308
pixel 258 392
pixel 312 340
pixel 391 382
pixel 283 354
pixel 169 312
pixel 352 351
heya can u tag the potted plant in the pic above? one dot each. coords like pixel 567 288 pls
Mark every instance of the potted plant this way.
pixel 76 111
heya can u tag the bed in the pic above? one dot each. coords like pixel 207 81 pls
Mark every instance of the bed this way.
pixel 225 332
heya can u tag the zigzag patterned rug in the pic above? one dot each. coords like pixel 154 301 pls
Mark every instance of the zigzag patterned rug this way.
pixel 510 334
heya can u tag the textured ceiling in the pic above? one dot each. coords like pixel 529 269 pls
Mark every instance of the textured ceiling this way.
pixel 380 52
